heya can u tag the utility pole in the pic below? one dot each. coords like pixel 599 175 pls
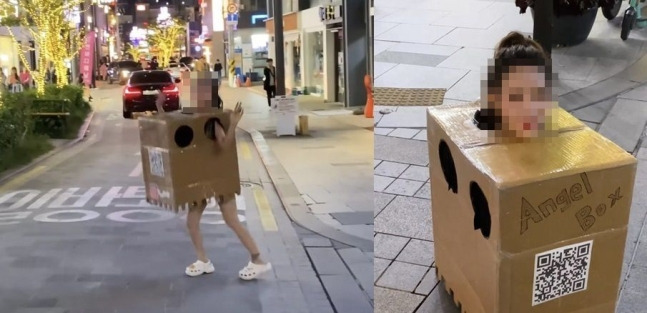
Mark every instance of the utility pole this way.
pixel 543 26
pixel 94 28
pixel 278 48
pixel 118 34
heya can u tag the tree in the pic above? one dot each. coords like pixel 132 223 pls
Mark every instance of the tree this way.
pixel 133 51
pixel 165 37
pixel 51 32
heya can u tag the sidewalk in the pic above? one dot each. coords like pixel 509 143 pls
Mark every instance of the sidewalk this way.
pixel 338 151
pixel 596 83
pixel 459 37
pixel 323 181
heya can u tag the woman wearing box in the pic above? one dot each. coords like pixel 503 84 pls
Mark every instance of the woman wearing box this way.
pixel 227 204
pixel 517 102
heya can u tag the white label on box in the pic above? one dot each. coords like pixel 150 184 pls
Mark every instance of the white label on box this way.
pixel 156 161
pixel 561 272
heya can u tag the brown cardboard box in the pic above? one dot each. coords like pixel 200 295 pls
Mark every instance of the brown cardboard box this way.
pixel 504 216
pixel 181 165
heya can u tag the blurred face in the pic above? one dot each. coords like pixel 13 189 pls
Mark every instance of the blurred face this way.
pixel 270 63
pixel 526 101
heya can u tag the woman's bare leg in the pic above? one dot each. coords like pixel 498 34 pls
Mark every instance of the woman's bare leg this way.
pixel 193 225
pixel 230 215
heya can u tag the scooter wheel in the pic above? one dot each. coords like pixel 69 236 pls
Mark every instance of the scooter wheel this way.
pixel 611 12
pixel 627 23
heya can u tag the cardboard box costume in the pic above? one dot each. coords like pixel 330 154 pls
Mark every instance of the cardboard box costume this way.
pixel 182 164
pixel 535 227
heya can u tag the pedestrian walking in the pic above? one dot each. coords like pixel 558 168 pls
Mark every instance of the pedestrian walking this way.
pixel 201 65
pixel 269 82
pixel 218 69
pixel 103 71
pixel 227 203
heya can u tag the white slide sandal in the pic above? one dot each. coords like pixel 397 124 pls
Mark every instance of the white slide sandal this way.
pixel 198 268
pixel 252 271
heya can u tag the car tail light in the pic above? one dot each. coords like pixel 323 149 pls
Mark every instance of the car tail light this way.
pixel 170 89
pixel 130 91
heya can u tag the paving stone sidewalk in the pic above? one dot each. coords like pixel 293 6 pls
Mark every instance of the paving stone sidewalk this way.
pixel 405 277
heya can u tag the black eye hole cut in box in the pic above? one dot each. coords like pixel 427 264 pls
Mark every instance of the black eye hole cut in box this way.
pixel 210 127
pixel 448 166
pixel 482 218
pixel 183 136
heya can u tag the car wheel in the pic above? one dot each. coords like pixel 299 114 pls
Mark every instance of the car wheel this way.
pixel 128 115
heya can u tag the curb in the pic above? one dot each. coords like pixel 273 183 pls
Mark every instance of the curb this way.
pixel 81 135
pixel 294 205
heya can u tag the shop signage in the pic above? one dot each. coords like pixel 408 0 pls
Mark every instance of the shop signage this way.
pixel 232 19
pixel 87 54
pixel 330 13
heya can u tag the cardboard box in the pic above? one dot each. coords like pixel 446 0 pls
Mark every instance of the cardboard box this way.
pixel 181 164
pixel 505 216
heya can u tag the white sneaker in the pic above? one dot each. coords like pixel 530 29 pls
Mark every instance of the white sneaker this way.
pixel 252 271
pixel 198 268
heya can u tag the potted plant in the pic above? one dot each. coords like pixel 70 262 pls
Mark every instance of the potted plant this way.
pixel 574 19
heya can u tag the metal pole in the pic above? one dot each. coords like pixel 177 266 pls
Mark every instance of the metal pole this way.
pixel 118 40
pixel 96 45
pixel 278 47
pixel 230 54
pixel 543 26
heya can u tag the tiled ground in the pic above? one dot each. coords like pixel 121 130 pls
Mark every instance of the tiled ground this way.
pixel 441 44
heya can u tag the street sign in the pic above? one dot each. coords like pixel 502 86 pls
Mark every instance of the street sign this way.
pixel 232 19
pixel 232 8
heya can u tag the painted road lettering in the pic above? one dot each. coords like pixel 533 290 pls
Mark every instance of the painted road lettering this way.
pixel 76 204
pixel 27 196
pixel 70 193
pixel 51 217
pixel 132 193
pixel 46 198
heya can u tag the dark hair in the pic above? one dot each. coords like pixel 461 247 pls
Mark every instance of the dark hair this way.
pixel 270 60
pixel 513 50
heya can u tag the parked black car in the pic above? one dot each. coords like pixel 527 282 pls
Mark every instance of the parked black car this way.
pixel 120 71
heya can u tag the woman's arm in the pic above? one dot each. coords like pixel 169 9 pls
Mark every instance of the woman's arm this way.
pixel 224 139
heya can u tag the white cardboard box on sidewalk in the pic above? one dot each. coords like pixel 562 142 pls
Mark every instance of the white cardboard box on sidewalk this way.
pixel 286 109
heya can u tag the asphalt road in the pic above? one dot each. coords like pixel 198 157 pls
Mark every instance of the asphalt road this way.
pixel 77 236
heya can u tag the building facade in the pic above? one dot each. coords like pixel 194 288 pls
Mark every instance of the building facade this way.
pixel 326 48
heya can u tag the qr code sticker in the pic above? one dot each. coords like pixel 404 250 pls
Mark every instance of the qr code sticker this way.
pixel 156 161
pixel 561 272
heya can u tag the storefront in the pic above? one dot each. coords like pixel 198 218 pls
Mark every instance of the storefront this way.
pixel 292 51
pixel 323 52
pixel 10 52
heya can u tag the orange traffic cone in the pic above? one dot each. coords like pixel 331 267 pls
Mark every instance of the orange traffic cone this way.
pixel 368 110
pixel 248 82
